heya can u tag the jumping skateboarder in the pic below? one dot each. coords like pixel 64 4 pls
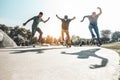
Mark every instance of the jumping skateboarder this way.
pixel 65 28
pixel 93 24
pixel 36 20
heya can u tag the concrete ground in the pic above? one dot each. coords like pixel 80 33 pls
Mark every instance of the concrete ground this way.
pixel 58 63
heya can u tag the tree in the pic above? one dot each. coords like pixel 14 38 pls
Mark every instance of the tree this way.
pixel 105 35
pixel 49 39
pixel 55 41
pixel 116 36
pixel 75 40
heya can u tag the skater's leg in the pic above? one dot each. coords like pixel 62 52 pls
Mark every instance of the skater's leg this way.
pixel 62 35
pixel 68 37
pixel 40 34
pixel 33 33
pixel 90 29
pixel 97 33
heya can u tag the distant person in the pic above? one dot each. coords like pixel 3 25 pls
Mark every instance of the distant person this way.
pixel 93 24
pixel 36 20
pixel 65 27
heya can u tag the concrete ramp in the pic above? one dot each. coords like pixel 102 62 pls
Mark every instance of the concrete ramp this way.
pixel 5 40
pixel 59 63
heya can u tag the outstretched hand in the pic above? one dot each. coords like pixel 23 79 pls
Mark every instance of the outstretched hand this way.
pixel 81 21
pixel 56 15
pixel 98 8
pixel 48 18
pixel 24 24
pixel 74 17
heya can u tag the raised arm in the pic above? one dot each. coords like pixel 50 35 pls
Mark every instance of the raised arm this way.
pixel 73 18
pixel 46 20
pixel 99 10
pixel 58 17
pixel 28 21
pixel 84 18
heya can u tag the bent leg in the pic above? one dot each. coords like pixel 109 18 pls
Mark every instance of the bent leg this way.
pixel 97 33
pixel 68 36
pixel 33 33
pixel 40 34
pixel 62 35
pixel 90 29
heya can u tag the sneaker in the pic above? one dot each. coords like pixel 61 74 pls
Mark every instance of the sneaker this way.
pixel 33 45
pixel 98 45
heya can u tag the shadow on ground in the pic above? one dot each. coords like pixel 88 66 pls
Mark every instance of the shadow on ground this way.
pixel 87 53
pixel 33 50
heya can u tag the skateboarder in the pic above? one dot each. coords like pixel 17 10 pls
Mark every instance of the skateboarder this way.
pixel 65 27
pixel 93 24
pixel 36 20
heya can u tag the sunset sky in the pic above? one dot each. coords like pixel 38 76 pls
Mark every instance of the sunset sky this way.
pixel 16 12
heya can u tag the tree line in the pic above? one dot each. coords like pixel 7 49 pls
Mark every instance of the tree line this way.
pixel 22 36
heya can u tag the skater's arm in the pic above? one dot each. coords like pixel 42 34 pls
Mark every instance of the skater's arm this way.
pixel 28 21
pixel 58 17
pixel 46 20
pixel 84 18
pixel 99 10
pixel 73 18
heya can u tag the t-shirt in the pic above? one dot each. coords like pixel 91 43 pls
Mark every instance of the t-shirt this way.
pixel 36 21
pixel 93 20
pixel 65 23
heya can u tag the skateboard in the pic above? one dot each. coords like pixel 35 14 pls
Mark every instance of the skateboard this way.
pixel 67 43
pixel 33 45
pixel 95 42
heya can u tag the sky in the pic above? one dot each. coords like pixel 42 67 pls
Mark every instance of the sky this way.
pixel 16 12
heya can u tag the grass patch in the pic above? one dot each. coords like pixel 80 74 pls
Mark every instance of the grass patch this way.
pixel 114 46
